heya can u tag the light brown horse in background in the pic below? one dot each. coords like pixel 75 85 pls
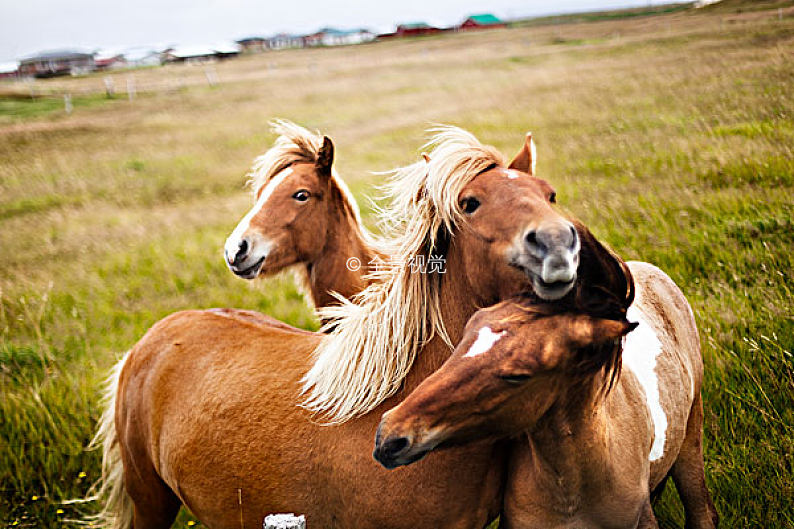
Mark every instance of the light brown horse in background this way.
pixel 304 217
pixel 591 445
pixel 310 219
pixel 203 410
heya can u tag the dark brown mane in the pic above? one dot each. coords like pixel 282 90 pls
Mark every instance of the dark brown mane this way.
pixel 604 289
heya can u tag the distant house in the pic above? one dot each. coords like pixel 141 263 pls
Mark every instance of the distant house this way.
pixel 59 62
pixel 9 70
pixel 337 37
pixel 198 54
pixel 283 41
pixel 107 60
pixel 226 50
pixel 414 29
pixel 140 56
pixel 190 54
pixel 253 44
pixel 483 21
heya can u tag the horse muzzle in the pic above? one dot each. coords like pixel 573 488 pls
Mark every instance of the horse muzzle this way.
pixel 549 255
pixel 395 450
pixel 242 258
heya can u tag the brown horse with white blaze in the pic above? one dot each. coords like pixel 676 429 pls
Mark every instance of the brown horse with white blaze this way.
pixel 204 408
pixel 592 440
pixel 304 217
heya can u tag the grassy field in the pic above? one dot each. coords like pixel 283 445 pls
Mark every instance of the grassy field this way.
pixel 670 135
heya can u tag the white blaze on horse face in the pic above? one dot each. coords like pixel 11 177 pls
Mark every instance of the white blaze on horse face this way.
pixel 641 347
pixel 485 340
pixel 233 242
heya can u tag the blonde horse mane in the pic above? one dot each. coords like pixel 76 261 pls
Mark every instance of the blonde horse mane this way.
pixel 294 144
pixel 374 340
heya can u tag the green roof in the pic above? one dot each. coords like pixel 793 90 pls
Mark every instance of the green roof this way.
pixel 414 25
pixel 485 19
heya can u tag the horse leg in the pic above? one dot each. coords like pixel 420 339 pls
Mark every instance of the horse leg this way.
pixel 647 517
pixel 657 492
pixel 155 506
pixel 689 476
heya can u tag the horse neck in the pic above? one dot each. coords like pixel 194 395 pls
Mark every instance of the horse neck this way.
pixel 329 272
pixel 571 442
pixel 457 305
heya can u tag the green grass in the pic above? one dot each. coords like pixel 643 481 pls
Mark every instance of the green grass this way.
pixel 673 142
pixel 18 108
pixel 608 15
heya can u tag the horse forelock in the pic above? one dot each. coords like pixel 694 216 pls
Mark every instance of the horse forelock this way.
pixel 373 340
pixel 296 144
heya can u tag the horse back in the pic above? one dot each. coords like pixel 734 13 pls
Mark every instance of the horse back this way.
pixel 678 367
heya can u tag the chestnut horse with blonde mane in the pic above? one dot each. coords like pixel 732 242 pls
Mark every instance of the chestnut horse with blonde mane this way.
pixel 593 443
pixel 304 217
pixel 203 411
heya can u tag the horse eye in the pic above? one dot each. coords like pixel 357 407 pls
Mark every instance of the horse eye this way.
pixel 469 205
pixel 553 197
pixel 514 379
pixel 301 196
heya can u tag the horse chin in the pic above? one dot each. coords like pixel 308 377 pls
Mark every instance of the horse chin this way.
pixel 551 291
pixel 251 272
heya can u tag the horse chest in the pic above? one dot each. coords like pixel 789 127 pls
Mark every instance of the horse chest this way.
pixel 567 489
pixel 619 510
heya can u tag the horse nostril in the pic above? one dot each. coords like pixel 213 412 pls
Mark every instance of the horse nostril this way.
pixel 534 243
pixel 395 445
pixel 574 238
pixel 242 252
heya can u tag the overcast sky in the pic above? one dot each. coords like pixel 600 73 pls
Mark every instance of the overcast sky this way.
pixel 30 26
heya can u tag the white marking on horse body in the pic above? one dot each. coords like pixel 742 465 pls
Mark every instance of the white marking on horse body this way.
pixel 233 242
pixel 512 174
pixel 641 347
pixel 485 340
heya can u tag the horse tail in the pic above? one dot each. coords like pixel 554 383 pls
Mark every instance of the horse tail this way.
pixel 117 507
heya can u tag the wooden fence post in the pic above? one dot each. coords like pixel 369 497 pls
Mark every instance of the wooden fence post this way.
pixel 110 89
pixel 130 87
pixel 211 75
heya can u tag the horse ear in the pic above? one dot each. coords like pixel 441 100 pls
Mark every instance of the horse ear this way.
pixel 590 331
pixel 526 158
pixel 325 158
